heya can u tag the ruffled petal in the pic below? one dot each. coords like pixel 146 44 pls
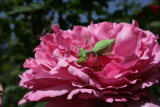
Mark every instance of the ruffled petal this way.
pixel 46 93
pixel 126 41
pixel 63 102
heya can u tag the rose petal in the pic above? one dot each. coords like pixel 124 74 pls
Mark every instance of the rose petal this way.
pixel 46 93
pixel 126 41
pixel 63 102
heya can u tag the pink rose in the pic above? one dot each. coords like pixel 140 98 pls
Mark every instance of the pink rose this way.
pixel 1 91
pixel 0 101
pixel 55 76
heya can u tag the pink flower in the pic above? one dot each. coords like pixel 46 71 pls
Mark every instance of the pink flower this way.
pixel 55 76
pixel 0 101
pixel 1 91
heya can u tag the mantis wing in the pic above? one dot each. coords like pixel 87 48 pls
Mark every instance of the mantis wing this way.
pixel 103 46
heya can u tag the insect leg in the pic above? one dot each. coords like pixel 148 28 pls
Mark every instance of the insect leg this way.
pixel 89 42
pixel 82 59
pixel 107 54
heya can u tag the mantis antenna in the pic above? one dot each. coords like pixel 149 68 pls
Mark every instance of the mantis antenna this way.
pixel 89 42
pixel 91 47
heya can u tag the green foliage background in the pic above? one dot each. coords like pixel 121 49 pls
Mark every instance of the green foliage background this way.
pixel 23 22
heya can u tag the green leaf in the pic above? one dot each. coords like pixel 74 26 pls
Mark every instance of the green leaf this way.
pixel 155 24
pixel 19 9
pixel 36 6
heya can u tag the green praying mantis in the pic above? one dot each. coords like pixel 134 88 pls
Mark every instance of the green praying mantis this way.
pixel 100 48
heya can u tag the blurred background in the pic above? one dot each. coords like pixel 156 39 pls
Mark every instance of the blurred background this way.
pixel 23 22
